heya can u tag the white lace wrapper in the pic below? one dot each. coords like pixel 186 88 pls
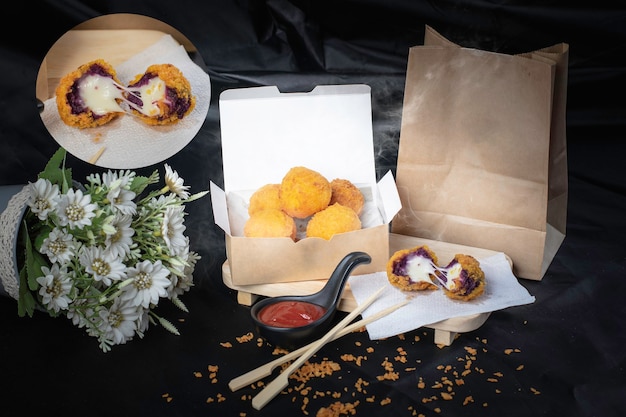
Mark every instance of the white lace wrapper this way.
pixel 10 220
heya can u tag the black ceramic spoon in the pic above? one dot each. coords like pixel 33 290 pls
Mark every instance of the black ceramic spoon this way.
pixel 328 298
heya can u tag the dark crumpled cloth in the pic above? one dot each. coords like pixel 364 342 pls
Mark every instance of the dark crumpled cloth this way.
pixel 567 354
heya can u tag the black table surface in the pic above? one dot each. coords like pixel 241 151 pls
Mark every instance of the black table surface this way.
pixel 563 355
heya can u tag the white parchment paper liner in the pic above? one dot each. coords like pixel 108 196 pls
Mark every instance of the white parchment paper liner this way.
pixel 427 307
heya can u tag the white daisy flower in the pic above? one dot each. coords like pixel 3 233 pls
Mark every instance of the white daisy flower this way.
pixel 119 196
pixel 122 200
pixel 175 183
pixel 44 197
pixel 75 209
pixel 143 321
pixel 104 267
pixel 149 283
pixel 118 243
pixel 59 246
pixel 183 283
pixel 78 314
pixel 119 179
pixel 173 228
pixel 118 322
pixel 55 288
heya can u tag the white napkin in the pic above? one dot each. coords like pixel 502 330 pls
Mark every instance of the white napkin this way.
pixel 428 307
pixel 130 143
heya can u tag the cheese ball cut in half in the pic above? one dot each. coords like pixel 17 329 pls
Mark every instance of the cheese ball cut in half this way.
pixel 304 192
pixel 331 221
pixel 347 194
pixel 90 96
pixel 413 269
pixel 270 223
pixel 266 197
pixel 463 278
pixel 161 95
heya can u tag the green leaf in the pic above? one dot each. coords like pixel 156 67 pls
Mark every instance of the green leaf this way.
pixel 26 302
pixel 34 261
pixel 169 326
pixel 55 171
pixel 196 196
pixel 140 183
pixel 179 303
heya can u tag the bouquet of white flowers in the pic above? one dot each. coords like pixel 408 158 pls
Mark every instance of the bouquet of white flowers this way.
pixel 104 253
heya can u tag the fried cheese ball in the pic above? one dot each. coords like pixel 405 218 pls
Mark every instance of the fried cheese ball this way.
pixel 331 221
pixel 89 96
pixel 304 192
pixel 464 279
pixel 161 95
pixel 347 194
pixel 413 269
pixel 270 223
pixel 266 197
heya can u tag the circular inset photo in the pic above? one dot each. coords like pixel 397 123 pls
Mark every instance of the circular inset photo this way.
pixel 123 91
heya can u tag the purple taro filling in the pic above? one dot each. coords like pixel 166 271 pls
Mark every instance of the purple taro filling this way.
pixel 178 105
pixel 73 96
pixel 466 284
pixel 400 268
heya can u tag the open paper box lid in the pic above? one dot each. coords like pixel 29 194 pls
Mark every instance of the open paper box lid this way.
pixel 265 133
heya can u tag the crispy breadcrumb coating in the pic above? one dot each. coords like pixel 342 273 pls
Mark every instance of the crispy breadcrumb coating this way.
pixel 331 221
pixel 266 197
pixel 413 269
pixel 468 279
pixel 72 110
pixel 270 223
pixel 347 194
pixel 179 100
pixel 304 192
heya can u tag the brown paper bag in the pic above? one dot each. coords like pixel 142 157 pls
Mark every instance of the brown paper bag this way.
pixel 482 156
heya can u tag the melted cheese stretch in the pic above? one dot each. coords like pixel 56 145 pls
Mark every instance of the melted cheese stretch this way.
pixel 420 268
pixel 151 94
pixel 100 94
pixel 453 273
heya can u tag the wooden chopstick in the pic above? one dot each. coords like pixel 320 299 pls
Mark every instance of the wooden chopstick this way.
pixel 97 155
pixel 282 380
pixel 266 369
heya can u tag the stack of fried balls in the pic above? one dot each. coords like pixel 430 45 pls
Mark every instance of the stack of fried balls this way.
pixel 304 195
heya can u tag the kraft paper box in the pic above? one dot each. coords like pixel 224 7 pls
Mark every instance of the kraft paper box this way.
pixel 264 134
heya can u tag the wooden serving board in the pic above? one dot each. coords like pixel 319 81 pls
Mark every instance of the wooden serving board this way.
pixel 445 331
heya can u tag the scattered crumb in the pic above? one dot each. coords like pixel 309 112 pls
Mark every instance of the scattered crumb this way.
pixel 452 378
pixel 245 338
pixel 337 409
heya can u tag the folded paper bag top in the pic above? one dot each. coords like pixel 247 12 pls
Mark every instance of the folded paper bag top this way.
pixel 484 133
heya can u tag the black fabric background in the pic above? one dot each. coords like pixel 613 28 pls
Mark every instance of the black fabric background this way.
pixel 571 340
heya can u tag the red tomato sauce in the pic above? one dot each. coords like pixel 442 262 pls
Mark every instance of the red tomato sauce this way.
pixel 290 313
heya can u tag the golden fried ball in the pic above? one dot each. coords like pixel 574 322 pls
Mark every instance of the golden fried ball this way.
pixel 266 197
pixel 304 192
pixel 179 100
pixel 347 194
pixel 270 223
pixel 465 278
pixel 332 220
pixel 72 109
pixel 413 269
